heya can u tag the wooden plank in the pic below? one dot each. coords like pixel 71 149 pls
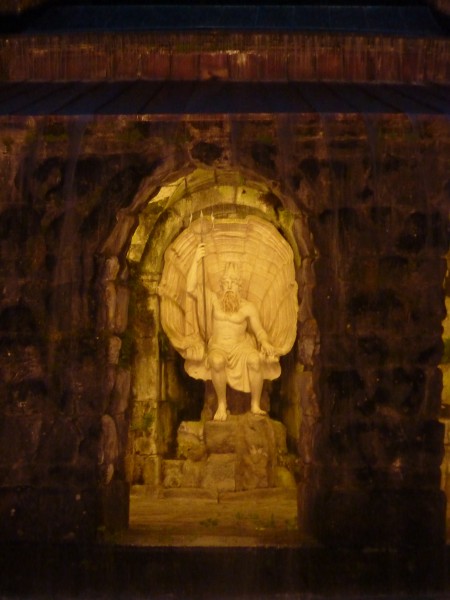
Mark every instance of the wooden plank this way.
pixel 403 101
pixel 432 97
pixel 30 94
pixel 285 98
pixel 172 98
pixel 322 99
pixel 51 104
pixel 227 98
pixel 361 101
pixel 132 99
pixel 93 98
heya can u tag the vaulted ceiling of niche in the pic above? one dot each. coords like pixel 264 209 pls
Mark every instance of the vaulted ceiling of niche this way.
pixel 203 191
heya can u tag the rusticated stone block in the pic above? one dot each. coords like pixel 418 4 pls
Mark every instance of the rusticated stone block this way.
pixel 122 302
pixel 284 478
pixel 279 431
pixel 220 436
pixel 255 441
pixel 151 471
pixel 183 473
pixel 192 473
pixel 121 392
pixel 190 440
pixel 108 448
pixel 220 472
pixel 172 473
pixel 256 453
pixel 114 345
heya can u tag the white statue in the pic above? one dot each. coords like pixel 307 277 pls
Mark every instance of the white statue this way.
pixel 231 352
pixel 229 304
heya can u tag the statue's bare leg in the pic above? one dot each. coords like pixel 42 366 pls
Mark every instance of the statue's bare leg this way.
pixel 217 364
pixel 256 383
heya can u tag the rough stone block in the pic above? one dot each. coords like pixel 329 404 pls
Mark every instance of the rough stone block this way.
pixel 291 415
pixel 173 390
pixel 114 345
pixel 122 302
pixel 256 453
pixel 446 384
pixel 284 478
pixel 145 444
pixel 147 370
pixel 255 440
pixel 151 471
pixel 172 473
pixel 109 382
pixel 192 473
pixel 121 392
pixel 109 309
pixel 279 431
pixel 252 470
pixel 165 423
pixel 190 440
pixel 221 436
pixel 220 472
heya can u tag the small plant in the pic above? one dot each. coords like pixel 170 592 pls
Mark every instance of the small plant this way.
pixel 132 134
pixel 55 132
pixel 209 522
pixel 144 424
pixel 147 421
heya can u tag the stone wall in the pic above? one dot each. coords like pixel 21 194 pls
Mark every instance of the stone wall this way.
pixel 374 194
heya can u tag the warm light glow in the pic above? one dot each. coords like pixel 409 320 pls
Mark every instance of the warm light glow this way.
pixel 202 190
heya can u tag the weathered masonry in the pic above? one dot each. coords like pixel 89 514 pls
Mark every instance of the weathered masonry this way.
pixel 111 144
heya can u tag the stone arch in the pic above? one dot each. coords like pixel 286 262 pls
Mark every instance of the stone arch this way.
pixel 137 377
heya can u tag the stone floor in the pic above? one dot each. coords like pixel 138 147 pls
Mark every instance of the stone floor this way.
pixel 240 546
pixel 182 518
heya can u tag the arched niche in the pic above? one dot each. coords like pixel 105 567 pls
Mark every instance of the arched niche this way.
pixel 152 392
pixel 163 394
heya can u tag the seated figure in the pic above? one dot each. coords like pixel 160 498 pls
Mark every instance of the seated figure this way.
pixel 232 355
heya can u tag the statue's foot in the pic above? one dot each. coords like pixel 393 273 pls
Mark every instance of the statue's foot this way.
pixel 256 410
pixel 221 414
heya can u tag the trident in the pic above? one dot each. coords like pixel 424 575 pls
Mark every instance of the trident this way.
pixel 204 283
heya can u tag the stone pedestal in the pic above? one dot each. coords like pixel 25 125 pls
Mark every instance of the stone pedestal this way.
pixel 245 452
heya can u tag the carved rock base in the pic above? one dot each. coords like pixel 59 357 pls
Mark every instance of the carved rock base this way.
pixel 245 452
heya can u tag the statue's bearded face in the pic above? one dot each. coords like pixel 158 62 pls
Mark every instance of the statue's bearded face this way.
pixel 231 299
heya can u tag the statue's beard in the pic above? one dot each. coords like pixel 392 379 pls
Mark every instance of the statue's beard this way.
pixel 230 302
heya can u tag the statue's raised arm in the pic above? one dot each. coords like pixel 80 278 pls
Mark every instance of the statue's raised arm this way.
pixel 192 277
